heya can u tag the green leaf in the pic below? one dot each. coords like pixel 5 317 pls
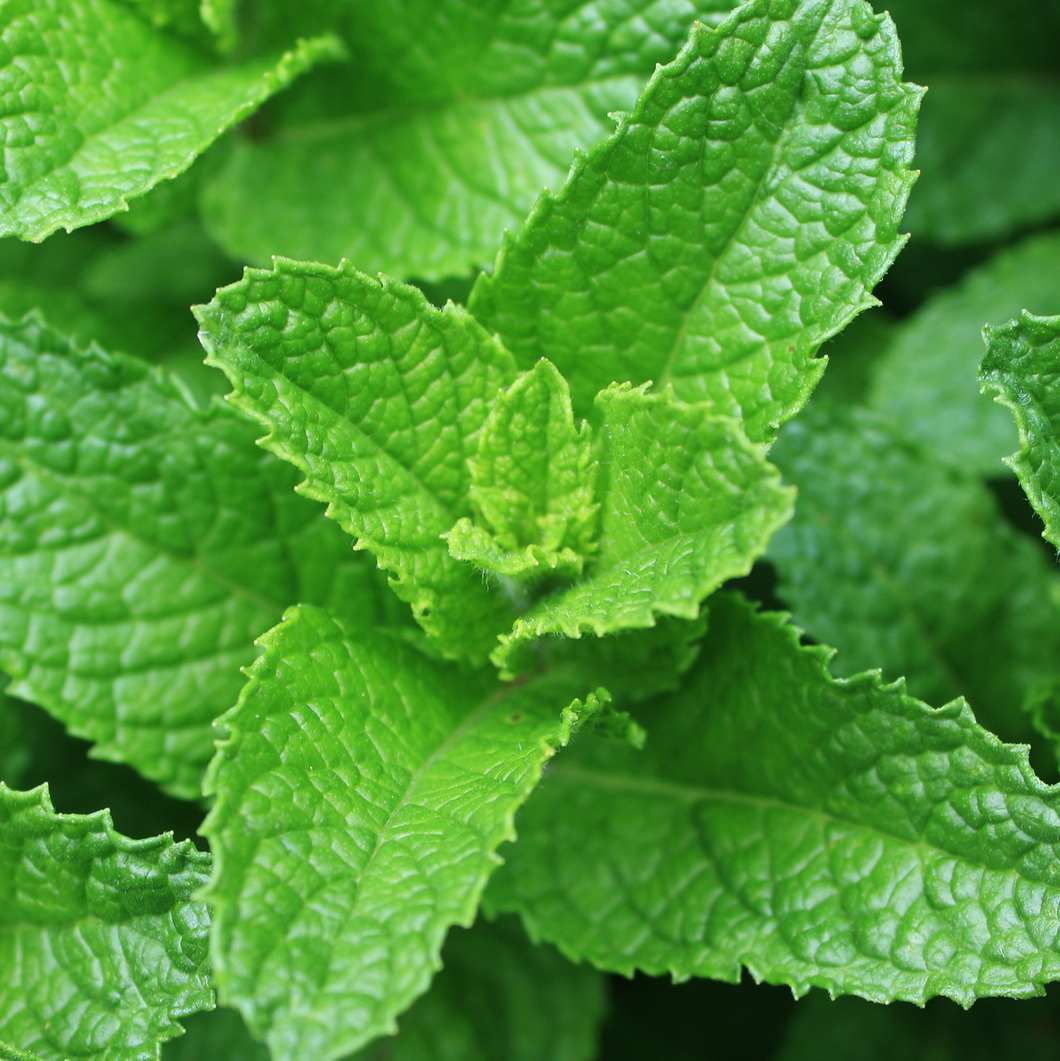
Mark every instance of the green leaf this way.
pixel 903 563
pixel 379 399
pixel 851 1029
pixel 926 381
pixel 104 107
pixel 442 132
pixel 8 1053
pixel 101 947
pixel 1022 367
pixel 144 544
pixel 689 503
pixel 739 217
pixel 361 795
pixel 532 484
pixel 499 998
pixel 820 832
pixel 988 149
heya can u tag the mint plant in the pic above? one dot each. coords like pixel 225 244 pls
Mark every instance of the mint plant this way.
pixel 533 588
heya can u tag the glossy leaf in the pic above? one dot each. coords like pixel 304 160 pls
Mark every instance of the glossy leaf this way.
pixel 819 832
pixel 144 545
pixel 378 398
pixel 101 107
pixel 901 562
pixel 1022 367
pixel 442 132
pixel 361 794
pixel 738 217
pixel 101 946
pixel 688 503
pixel 926 380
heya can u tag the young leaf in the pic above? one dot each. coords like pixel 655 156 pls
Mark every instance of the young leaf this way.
pixel 101 947
pixel 102 107
pixel 689 503
pixel 378 398
pixel 361 795
pixel 442 132
pixel 820 832
pixel 144 544
pixel 926 379
pixel 739 217
pixel 901 562
pixel 1022 367
pixel 988 148
pixel 532 485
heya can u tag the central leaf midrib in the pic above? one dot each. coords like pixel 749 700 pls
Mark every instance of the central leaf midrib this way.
pixel 689 793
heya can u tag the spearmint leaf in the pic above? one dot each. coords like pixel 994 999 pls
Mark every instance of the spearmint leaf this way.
pixel 500 998
pixel 532 484
pixel 989 149
pixel 101 947
pixel 8 1053
pixel 739 217
pixel 448 125
pixel 144 544
pixel 820 832
pixel 903 563
pixel 1022 367
pixel 361 795
pixel 379 399
pixel 926 381
pixel 689 503
pixel 101 107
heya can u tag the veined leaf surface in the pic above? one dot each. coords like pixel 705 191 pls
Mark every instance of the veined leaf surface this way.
pixel 361 795
pixel 101 947
pixel 144 544
pixel 379 399
pixel 1022 367
pixel 738 217
pixel 99 107
pixel 443 130
pixel 819 832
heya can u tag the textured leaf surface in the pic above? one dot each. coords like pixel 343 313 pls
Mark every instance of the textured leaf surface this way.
pixel 532 484
pixel 100 107
pixel 144 545
pixel 361 796
pixel 379 399
pixel 689 503
pixel 452 120
pixel 871 845
pixel 988 149
pixel 740 216
pixel 903 563
pixel 101 947
pixel 1022 367
pixel 926 381
pixel 499 998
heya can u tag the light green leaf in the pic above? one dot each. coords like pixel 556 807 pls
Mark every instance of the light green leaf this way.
pixel 989 150
pixel 532 485
pixel 739 217
pixel 103 107
pixel 144 544
pixel 869 845
pixel 689 503
pixel 362 792
pixel 442 133
pixel 101 947
pixel 378 398
pixel 8 1053
pixel 1022 367
pixel 903 563
pixel 927 379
